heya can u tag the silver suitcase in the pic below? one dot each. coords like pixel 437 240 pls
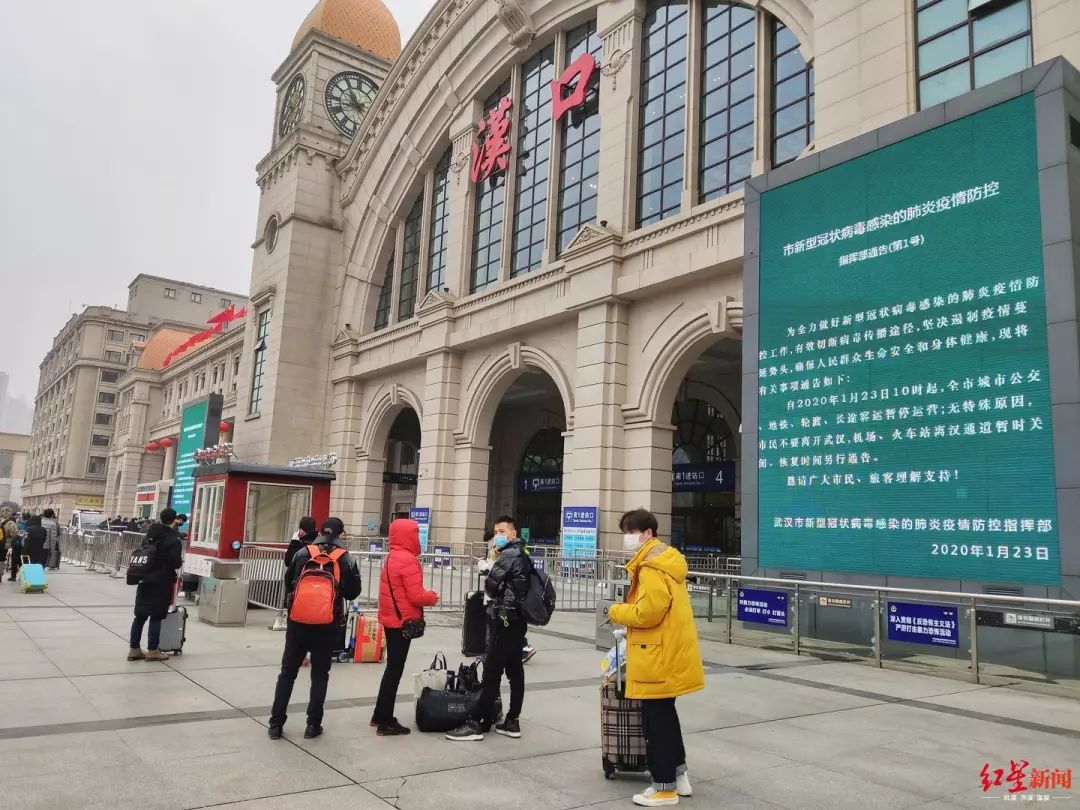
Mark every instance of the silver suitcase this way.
pixel 174 630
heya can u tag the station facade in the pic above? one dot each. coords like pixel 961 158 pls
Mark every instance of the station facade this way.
pixel 500 269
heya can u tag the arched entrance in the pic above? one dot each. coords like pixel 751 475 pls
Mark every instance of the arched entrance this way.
pixel 540 484
pixel 525 474
pixel 402 468
pixel 705 502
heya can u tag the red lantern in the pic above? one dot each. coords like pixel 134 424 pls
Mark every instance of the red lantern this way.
pixel 225 427
pixel 166 442
pixel 153 447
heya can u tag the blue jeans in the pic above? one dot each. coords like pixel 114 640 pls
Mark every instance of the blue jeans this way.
pixel 154 635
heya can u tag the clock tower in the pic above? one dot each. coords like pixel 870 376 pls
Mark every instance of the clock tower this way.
pixel 340 56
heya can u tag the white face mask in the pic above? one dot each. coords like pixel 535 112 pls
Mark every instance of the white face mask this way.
pixel 631 541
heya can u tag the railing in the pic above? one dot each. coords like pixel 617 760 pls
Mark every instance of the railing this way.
pixel 452 576
pixel 101 551
pixel 992 638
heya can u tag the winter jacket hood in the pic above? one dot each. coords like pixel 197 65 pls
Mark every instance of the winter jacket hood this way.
pixel 662 655
pixel 402 595
pixel 405 536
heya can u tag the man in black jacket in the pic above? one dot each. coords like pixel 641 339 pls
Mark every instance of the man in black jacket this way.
pixel 318 640
pixel 506 585
pixel 305 536
pixel 155 592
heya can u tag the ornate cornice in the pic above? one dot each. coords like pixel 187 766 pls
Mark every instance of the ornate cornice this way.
pixel 518 21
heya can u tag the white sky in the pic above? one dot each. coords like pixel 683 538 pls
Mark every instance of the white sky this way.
pixel 128 144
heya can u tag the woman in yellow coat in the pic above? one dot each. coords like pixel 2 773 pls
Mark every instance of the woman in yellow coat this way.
pixel 663 660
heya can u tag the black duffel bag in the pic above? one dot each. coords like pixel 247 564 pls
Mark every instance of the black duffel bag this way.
pixel 447 709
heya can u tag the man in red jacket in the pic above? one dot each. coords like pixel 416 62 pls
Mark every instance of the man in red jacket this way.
pixel 402 597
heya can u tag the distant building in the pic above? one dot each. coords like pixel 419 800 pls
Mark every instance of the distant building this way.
pixel 14 449
pixel 75 406
pixel 15 414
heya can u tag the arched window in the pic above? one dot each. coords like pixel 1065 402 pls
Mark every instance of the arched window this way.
pixel 410 265
pixel 792 97
pixel 533 158
pixel 440 223
pixel 488 219
pixel 702 435
pixel 579 161
pixel 544 455
pixel 382 309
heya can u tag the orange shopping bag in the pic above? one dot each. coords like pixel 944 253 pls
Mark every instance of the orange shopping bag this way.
pixel 369 641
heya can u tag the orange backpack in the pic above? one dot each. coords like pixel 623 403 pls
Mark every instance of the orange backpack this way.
pixel 316 590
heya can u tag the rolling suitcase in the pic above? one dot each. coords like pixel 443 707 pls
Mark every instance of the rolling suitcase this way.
pixel 174 631
pixel 32 576
pixel 474 626
pixel 622 728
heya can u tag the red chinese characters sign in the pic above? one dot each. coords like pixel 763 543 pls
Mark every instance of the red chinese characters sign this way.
pixel 1021 778
pixel 574 79
pixel 491 149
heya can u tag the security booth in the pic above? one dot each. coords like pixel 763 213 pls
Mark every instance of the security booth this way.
pixel 237 503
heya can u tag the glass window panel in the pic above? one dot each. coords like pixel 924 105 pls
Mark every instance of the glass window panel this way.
pixel 792 98
pixel 944 14
pixel 581 143
pixel 440 224
pixel 742 139
pixel 1000 24
pixel 944 50
pixel 382 308
pixel 488 219
pixel 410 267
pixel 666 120
pixel 1002 61
pixel 729 58
pixel 945 85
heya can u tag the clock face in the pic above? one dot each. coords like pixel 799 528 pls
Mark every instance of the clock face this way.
pixel 348 98
pixel 291 105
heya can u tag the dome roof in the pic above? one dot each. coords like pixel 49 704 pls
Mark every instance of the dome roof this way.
pixel 364 24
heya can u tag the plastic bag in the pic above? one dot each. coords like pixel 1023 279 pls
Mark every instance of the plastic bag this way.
pixel 613 657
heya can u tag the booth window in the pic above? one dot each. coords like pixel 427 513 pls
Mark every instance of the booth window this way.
pixel 440 223
pixel 410 266
pixel 262 334
pixel 580 164
pixel 533 163
pixel 727 88
pixel 274 511
pixel 663 111
pixel 792 97
pixel 488 219
pixel 964 44
pixel 206 515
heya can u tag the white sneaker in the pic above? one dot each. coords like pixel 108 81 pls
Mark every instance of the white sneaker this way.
pixel 651 797
pixel 682 780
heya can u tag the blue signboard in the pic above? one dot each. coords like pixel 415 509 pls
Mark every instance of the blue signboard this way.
pixel 763 607
pixel 423 517
pixel 919 623
pixel 579 538
pixel 540 483
pixel 718 477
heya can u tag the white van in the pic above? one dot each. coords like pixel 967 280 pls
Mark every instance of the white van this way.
pixel 86 520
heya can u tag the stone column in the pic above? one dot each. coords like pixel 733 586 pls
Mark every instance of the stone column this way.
pixel 619 24
pixel 460 202
pixel 597 477
pixel 344 437
pixel 469 513
pixel 647 480
pixel 169 468
pixel 436 487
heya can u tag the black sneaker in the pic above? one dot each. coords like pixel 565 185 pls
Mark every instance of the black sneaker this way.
pixel 311 732
pixel 392 729
pixel 274 732
pixel 509 728
pixel 468 731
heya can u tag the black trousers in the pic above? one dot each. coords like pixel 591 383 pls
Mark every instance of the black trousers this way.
pixel 663 739
pixel 397 651
pixel 503 656
pixel 16 558
pixel 300 640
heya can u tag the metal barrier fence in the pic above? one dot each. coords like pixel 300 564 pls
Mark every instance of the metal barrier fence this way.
pixel 991 638
pixel 101 551
pixel 452 576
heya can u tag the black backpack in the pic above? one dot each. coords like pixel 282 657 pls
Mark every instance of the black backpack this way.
pixel 539 602
pixel 142 563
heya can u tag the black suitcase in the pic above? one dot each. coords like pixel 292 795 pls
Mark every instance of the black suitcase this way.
pixel 54 559
pixel 474 626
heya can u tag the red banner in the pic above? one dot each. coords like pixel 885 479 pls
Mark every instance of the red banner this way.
pixel 217 322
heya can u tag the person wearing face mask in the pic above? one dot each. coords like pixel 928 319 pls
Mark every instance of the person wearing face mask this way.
pixel 663 661
pixel 507 585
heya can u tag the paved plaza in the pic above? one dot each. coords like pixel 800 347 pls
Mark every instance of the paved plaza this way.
pixel 82 728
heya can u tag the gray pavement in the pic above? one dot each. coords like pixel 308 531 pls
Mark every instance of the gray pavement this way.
pixel 82 728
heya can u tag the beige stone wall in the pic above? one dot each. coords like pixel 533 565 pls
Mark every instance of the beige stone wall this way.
pixel 617 323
